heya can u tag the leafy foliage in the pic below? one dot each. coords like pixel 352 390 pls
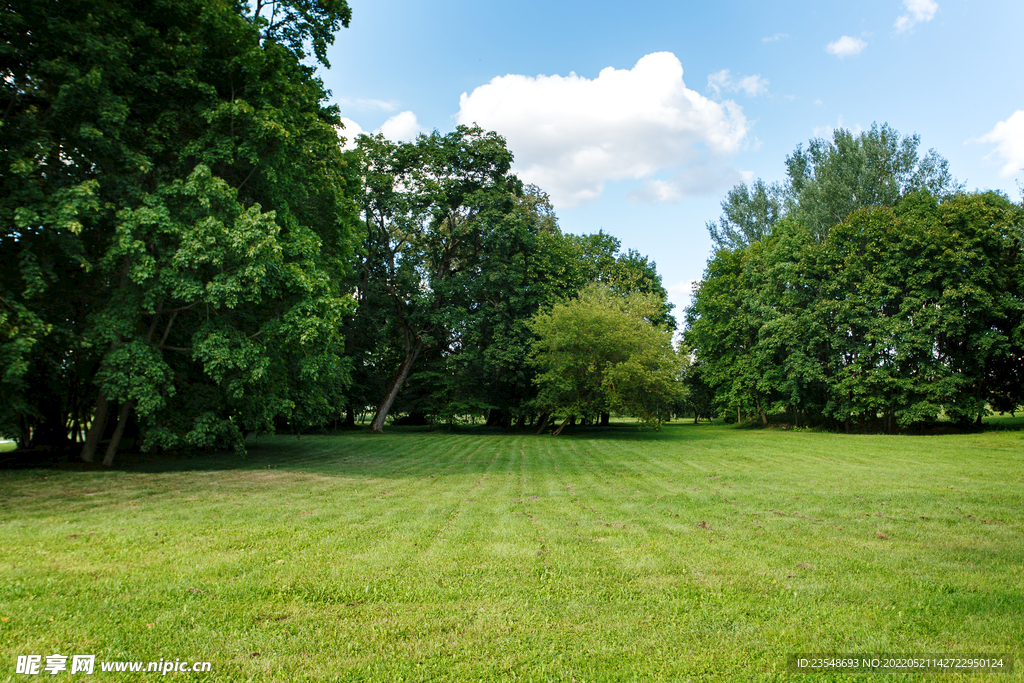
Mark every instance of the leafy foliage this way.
pixel 831 179
pixel 748 215
pixel 176 224
pixel 457 259
pixel 603 352
pixel 900 315
pixel 428 206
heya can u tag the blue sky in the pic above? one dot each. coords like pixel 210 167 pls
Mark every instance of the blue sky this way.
pixel 639 119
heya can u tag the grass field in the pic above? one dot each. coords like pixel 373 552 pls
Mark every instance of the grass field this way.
pixel 693 553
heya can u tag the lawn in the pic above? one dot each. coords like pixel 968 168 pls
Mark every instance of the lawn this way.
pixel 693 553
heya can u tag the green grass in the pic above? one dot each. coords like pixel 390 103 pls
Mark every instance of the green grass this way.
pixel 694 553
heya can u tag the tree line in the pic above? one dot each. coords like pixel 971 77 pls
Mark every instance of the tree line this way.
pixel 189 257
pixel 868 292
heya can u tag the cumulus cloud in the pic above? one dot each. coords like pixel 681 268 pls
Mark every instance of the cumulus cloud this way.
pixel 349 132
pixel 724 80
pixel 701 178
pixel 1008 136
pixel 846 47
pixel 572 134
pixel 917 11
pixel 401 127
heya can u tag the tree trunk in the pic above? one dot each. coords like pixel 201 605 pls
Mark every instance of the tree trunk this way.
pixel 350 417
pixel 377 425
pixel 562 426
pixel 542 421
pixel 605 417
pixel 24 434
pixel 572 421
pixel 99 422
pixel 52 431
pixel 122 420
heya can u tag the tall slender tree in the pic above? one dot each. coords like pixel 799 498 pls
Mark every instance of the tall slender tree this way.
pixel 426 205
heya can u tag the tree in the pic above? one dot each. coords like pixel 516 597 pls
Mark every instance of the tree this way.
pixel 525 264
pixel 509 263
pixel 901 314
pixel 603 351
pixel 975 263
pixel 831 179
pixel 723 323
pixel 176 224
pixel 426 205
pixel 748 214
pixel 874 293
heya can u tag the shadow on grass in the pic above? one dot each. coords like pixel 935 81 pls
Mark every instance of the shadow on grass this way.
pixel 342 452
pixel 359 453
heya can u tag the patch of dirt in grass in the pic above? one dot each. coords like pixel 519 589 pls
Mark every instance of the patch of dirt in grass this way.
pixel 270 617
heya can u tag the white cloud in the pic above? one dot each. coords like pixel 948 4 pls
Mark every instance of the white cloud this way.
pixel 367 104
pixel 846 47
pixel 401 127
pixel 701 178
pixel 572 134
pixel 751 85
pixel 917 11
pixel 1008 136
pixel 349 133
pixel 777 36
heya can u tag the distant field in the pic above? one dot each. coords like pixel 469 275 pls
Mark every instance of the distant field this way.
pixel 694 553
pixel 1006 420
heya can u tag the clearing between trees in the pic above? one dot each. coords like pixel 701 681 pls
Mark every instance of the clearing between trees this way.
pixel 695 552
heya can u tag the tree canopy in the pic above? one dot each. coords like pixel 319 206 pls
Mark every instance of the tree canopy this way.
pixel 603 351
pixel 829 180
pixel 884 298
pixel 175 223
pixel 189 257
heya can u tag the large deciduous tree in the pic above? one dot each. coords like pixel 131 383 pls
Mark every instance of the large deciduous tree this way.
pixel 606 351
pixel 748 214
pixel 833 178
pixel 883 298
pixel 175 221
pixel 427 205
